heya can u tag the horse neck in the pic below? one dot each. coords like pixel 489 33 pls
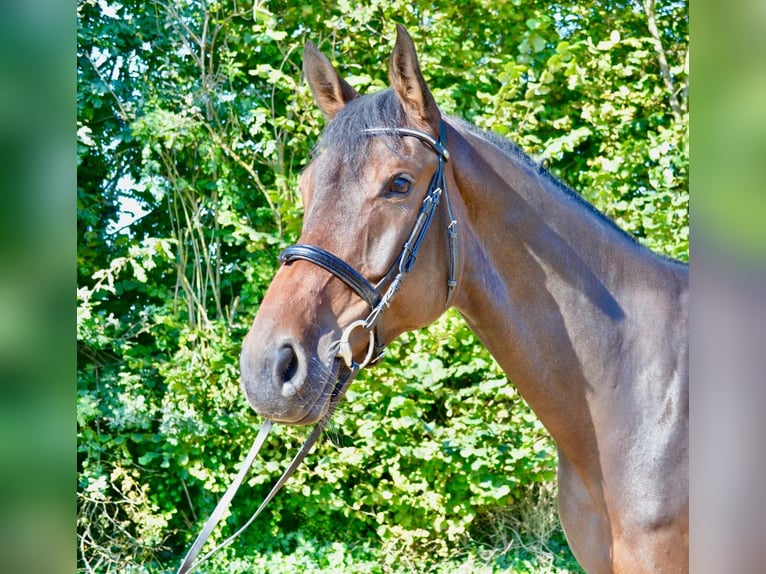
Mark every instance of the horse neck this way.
pixel 549 287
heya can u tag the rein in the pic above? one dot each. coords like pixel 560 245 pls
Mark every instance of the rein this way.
pixel 378 297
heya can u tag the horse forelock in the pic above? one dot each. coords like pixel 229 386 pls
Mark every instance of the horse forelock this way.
pixel 344 136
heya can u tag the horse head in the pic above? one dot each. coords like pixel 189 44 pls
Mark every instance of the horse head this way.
pixel 369 195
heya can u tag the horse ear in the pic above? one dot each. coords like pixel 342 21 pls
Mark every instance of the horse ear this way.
pixel 330 91
pixel 408 83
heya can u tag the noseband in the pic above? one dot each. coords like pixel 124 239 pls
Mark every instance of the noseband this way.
pixel 379 296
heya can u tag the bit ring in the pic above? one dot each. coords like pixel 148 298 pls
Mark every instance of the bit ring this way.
pixel 344 350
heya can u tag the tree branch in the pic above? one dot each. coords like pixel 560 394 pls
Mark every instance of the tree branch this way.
pixel 667 77
pixel 250 171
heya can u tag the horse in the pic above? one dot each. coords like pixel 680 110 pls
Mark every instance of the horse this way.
pixel 408 211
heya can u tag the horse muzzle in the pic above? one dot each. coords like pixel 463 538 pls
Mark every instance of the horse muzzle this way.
pixel 283 381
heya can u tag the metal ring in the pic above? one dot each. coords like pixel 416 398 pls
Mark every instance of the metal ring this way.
pixel 344 350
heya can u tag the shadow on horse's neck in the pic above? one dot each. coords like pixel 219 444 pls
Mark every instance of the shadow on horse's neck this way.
pixel 544 284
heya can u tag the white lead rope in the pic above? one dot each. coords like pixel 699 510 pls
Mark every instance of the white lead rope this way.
pixel 189 564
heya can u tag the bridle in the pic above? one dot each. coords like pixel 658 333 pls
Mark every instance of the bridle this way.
pixel 377 296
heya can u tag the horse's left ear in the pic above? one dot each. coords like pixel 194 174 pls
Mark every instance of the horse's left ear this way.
pixel 408 83
pixel 331 92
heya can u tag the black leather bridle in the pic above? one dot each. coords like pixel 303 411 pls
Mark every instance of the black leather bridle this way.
pixel 379 296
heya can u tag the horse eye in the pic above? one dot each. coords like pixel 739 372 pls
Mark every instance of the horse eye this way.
pixel 400 185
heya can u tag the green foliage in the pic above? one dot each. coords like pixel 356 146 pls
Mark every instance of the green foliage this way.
pixel 195 116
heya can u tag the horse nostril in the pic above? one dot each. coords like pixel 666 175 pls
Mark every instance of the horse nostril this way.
pixel 286 365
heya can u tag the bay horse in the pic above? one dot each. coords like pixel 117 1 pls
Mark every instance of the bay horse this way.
pixel 408 212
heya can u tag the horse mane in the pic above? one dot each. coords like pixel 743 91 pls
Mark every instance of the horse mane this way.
pixel 538 169
pixel 345 136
